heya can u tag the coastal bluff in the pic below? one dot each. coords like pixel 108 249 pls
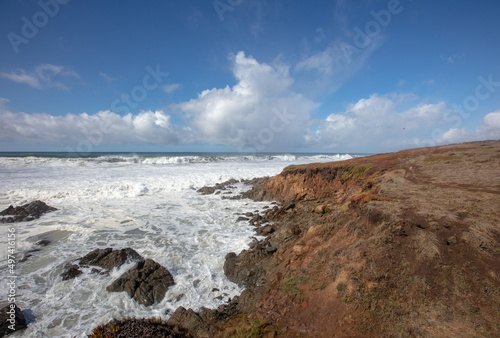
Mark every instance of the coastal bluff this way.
pixel 397 244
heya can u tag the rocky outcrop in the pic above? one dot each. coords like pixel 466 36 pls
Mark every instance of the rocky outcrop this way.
pixel 218 188
pixel 71 271
pixel 387 245
pixel 107 259
pixel 376 246
pixel 147 282
pixel 11 319
pixel 183 320
pixel 26 212
pixel 243 269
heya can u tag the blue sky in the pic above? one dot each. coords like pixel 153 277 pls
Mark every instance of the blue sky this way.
pixel 241 75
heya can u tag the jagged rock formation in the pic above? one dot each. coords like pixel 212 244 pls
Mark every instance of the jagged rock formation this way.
pixel 106 259
pixel 25 213
pixel 394 244
pixel 400 244
pixel 11 319
pixel 147 282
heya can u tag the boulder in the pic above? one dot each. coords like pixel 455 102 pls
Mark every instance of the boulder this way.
pixel 320 209
pixel 284 234
pixel 206 190
pixel 104 258
pixel 70 271
pixel 109 258
pixel 188 320
pixel 11 319
pixel 265 230
pixel 147 282
pixel 271 249
pixel 243 269
pixel 26 212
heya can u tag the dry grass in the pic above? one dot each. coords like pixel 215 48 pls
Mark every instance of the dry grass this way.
pixel 479 239
pixel 426 245
pixel 439 158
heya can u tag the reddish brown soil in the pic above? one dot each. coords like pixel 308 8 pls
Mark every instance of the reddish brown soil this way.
pixel 392 245
pixel 400 244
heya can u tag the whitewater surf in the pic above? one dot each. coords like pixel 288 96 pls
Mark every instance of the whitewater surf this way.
pixel 147 202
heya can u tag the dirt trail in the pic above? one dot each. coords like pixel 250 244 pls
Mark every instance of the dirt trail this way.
pixel 401 244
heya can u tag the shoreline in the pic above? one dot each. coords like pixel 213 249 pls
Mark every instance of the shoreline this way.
pixel 405 243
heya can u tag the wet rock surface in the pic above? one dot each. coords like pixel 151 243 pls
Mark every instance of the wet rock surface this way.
pixel 71 271
pixel 25 213
pixel 11 319
pixel 147 282
pixel 411 234
pixel 218 188
pixel 106 259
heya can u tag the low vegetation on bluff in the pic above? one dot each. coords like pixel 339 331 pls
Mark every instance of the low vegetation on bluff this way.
pixel 402 244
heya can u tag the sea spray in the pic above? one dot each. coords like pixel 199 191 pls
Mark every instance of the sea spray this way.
pixel 147 202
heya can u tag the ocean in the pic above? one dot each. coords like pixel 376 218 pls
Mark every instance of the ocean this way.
pixel 145 201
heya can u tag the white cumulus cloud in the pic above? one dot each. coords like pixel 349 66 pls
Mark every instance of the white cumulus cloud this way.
pixel 377 122
pixel 104 127
pixel 490 130
pixel 260 112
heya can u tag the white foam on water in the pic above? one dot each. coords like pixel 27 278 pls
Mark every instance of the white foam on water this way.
pixel 147 204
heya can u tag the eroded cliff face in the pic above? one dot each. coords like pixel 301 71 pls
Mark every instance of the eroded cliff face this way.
pixel 338 182
pixel 393 244
pixel 400 244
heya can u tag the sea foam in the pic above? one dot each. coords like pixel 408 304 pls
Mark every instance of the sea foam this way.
pixel 148 203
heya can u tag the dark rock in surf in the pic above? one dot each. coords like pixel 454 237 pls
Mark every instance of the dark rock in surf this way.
pixel 237 197
pixel 70 271
pixel 26 212
pixel 109 258
pixel 11 319
pixel 106 259
pixel 218 187
pixel 147 282
pixel 206 190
